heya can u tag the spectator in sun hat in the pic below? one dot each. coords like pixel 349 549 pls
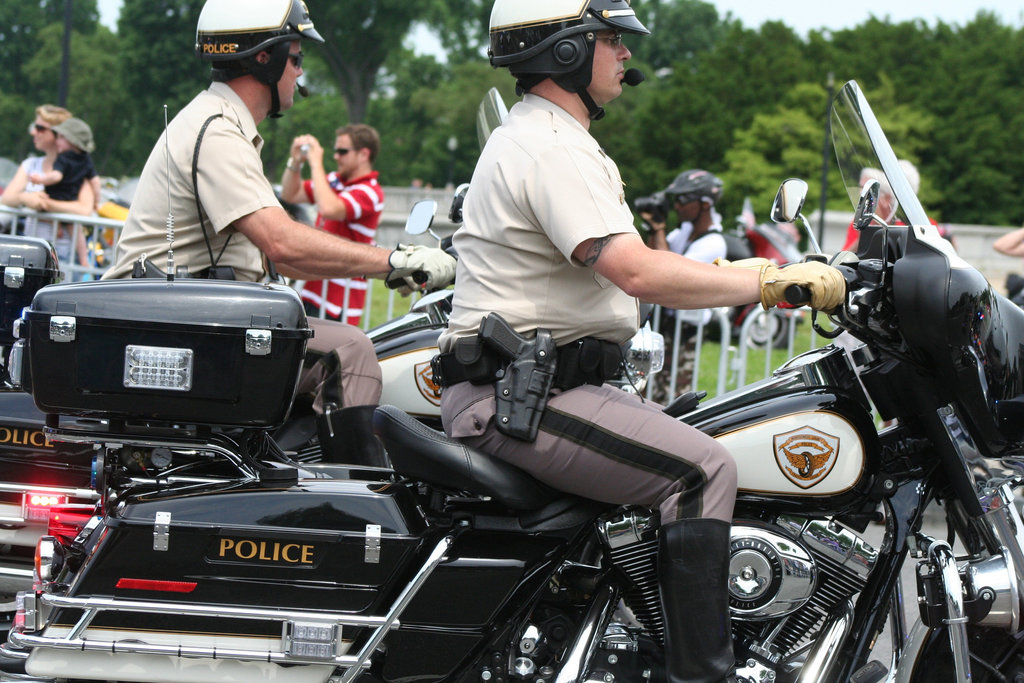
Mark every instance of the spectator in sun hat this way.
pixel 73 165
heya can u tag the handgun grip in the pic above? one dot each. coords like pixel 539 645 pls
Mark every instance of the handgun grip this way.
pixel 501 337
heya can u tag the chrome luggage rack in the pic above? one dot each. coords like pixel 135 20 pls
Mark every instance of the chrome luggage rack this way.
pixel 297 627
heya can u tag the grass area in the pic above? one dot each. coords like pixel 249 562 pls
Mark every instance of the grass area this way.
pixel 759 361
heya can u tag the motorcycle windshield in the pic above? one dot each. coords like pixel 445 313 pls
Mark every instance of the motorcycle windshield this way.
pixel 863 153
pixel 969 336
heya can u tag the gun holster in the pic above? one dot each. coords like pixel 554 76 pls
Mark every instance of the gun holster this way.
pixel 521 392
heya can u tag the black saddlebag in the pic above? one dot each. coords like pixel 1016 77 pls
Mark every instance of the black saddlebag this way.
pixel 187 351
pixel 27 264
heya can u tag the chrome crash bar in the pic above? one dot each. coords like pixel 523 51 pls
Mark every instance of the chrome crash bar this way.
pixel 353 664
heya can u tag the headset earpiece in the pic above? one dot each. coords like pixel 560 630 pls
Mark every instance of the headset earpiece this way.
pixel 566 52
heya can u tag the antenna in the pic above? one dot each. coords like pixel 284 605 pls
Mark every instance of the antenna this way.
pixel 170 215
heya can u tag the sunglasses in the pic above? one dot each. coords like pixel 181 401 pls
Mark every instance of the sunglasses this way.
pixel 37 128
pixel 615 39
pixel 296 58
pixel 341 151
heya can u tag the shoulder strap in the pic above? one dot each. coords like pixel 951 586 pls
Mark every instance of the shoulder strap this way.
pixel 195 187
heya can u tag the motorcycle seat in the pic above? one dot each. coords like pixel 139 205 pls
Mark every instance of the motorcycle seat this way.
pixel 427 455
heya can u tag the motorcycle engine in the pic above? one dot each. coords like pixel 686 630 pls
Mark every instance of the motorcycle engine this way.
pixel 785 578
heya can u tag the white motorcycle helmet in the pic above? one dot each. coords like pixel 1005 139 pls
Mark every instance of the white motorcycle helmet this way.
pixel 230 34
pixel 537 39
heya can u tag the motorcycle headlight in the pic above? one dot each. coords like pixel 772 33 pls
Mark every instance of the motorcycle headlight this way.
pixel 645 353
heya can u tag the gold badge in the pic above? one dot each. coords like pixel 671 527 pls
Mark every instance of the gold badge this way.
pixel 806 455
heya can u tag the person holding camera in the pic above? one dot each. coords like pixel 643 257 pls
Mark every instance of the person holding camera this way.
pixel 693 194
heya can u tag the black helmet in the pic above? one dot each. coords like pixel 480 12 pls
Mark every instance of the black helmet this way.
pixel 536 39
pixel 696 185
pixel 230 33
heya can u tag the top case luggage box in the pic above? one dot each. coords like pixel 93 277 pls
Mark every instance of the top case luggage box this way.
pixel 27 264
pixel 185 352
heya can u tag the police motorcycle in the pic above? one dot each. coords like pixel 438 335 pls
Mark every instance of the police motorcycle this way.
pixel 220 560
pixel 37 475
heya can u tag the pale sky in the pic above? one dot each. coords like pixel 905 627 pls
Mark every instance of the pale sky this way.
pixel 804 15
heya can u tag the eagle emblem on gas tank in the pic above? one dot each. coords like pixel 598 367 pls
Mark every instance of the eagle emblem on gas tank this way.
pixel 428 388
pixel 806 455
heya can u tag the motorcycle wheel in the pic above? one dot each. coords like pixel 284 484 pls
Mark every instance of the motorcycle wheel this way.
pixel 995 656
pixel 769 328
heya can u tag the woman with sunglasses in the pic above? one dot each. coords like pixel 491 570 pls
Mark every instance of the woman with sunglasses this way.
pixel 21 192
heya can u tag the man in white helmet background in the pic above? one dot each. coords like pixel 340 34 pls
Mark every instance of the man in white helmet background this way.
pixel 693 194
pixel 549 244
pixel 228 220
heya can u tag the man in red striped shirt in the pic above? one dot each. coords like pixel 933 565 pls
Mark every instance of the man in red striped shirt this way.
pixel 349 202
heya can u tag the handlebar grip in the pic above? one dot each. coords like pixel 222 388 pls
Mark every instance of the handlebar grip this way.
pixel 797 295
pixel 419 277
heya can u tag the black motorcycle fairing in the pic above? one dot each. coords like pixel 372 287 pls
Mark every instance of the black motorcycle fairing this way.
pixel 977 350
pixel 29 457
pixel 226 539
pixel 476 602
pixel 953 323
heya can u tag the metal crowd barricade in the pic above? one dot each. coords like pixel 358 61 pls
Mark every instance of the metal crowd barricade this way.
pixel 100 236
pixel 365 321
pixel 733 363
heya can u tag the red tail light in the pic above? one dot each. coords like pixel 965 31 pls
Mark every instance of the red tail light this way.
pixel 36 505
pixel 161 586
pixel 67 520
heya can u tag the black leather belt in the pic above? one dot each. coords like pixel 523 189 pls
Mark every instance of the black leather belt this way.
pixel 584 361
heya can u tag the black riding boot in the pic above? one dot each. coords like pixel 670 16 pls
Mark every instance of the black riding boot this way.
pixel 346 437
pixel 693 574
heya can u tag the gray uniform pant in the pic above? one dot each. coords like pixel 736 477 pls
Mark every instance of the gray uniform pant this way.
pixel 605 444
pixel 340 367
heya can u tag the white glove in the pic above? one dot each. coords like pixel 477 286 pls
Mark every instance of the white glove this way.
pixel 415 267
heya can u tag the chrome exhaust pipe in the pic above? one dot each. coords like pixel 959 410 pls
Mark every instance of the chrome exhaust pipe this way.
pixel 827 645
pixel 584 647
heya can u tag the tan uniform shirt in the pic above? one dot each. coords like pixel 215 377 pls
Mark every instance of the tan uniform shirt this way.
pixel 231 185
pixel 542 186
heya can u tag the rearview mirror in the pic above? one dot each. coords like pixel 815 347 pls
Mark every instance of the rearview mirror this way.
pixel 867 205
pixel 789 201
pixel 421 216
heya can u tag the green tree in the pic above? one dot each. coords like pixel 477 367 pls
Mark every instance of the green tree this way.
pixel 973 157
pixel 434 103
pixel 786 142
pixel 778 144
pixel 689 117
pixel 15 143
pixel 20 27
pixel 102 109
pixel 462 26
pixel 158 66
pixel 680 31
pixel 359 37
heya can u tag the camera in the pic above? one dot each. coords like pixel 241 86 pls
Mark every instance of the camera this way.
pixel 657 204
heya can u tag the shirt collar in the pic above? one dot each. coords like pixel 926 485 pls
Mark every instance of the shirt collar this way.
pixel 372 175
pixel 240 113
pixel 548 105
